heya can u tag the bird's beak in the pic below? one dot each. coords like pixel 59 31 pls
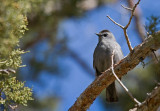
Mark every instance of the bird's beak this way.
pixel 97 34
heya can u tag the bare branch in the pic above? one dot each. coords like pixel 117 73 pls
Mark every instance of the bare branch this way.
pixel 125 32
pixel 127 39
pixel 2 62
pixel 84 101
pixel 125 88
pixel 140 28
pixel 127 8
pixel 7 71
pixel 13 107
pixel 125 28
pixel 132 13
pixel 115 22
pixel 151 103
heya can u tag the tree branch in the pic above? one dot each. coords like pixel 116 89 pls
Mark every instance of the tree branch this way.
pixel 137 15
pixel 132 14
pixel 126 8
pixel 139 27
pixel 7 71
pixel 151 103
pixel 115 22
pixel 125 27
pixel 127 39
pixel 84 101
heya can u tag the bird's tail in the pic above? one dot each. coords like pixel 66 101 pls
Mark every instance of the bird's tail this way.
pixel 111 94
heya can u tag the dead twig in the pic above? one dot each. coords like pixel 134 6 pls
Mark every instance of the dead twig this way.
pixel 127 8
pixel 115 22
pixel 7 71
pixel 132 14
pixel 13 107
pixel 125 88
pixel 152 101
pixel 125 27
pixel 138 22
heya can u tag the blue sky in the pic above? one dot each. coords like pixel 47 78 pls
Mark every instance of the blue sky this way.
pixel 82 39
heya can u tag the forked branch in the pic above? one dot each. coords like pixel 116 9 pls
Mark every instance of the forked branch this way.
pixel 125 27
pixel 132 14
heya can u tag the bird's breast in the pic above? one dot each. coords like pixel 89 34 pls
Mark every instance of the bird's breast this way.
pixel 102 58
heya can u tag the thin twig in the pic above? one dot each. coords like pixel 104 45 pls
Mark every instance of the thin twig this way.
pixel 132 13
pixel 115 22
pixel 125 28
pixel 151 103
pixel 137 15
pixel 125 32
pixel 125 88
pixel 127 8
pixel 127 39
pixel 2 62
pixel 7 71
pixel 13 107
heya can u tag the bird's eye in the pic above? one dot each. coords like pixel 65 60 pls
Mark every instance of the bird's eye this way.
pixel 105 35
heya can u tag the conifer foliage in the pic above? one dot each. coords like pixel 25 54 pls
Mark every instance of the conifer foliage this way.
pixel 13 24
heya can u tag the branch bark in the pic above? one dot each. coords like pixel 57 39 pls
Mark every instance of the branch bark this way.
pixel 137 55
pixel 151 103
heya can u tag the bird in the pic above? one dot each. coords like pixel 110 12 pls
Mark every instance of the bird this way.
pixel 102 59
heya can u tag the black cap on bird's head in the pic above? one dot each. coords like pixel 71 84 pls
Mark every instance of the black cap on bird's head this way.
pixel 105 35
pixel 102 32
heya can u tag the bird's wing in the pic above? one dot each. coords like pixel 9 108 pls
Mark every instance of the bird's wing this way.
pixel 118 55
pixel 94 64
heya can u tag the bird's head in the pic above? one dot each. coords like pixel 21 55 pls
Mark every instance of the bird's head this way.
pixel 105 35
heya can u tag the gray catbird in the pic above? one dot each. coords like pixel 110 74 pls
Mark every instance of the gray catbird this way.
pixel 102 59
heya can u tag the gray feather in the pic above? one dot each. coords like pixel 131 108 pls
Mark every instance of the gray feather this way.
pixel 102 59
